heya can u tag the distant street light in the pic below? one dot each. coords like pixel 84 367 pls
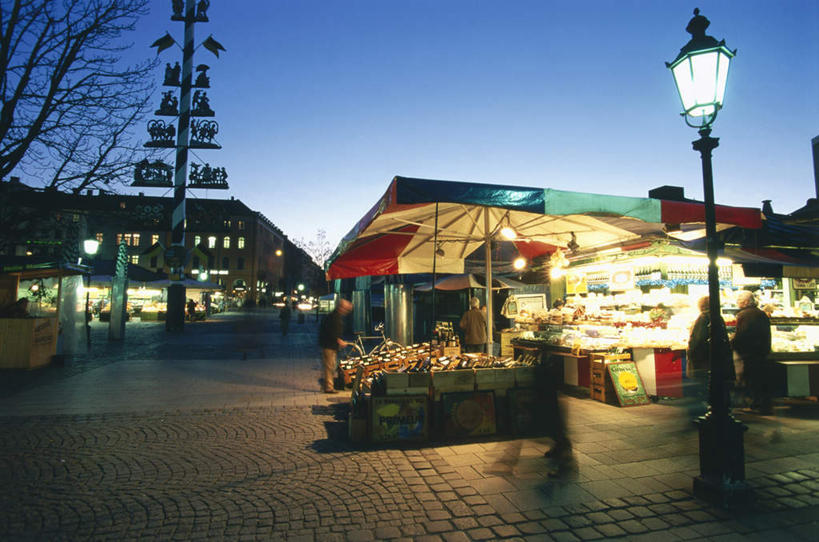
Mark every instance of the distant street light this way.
pixel 301 287
pixel 278 252
pixel 701 73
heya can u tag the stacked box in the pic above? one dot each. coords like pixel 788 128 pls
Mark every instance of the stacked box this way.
pixel 525 377
pixel 452 381
pixel 497 379
pixel 406 383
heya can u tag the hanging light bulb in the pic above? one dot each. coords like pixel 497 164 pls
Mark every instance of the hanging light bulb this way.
pixel 519 263
pixel 509 233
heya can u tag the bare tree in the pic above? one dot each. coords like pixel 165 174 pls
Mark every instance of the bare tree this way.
pixel 318 249
pixel 68 102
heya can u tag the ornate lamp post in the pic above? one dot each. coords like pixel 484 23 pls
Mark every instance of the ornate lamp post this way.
pixel 700 73
pixel 89 246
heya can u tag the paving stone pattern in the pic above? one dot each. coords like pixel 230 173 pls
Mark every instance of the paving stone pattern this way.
pixel 274 463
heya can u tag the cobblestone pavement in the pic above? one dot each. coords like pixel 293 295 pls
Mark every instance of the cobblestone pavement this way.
pixel 205 444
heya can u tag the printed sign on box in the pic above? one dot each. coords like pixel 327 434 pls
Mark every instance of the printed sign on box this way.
pixel 400 418
pixel 469 413
pixel 627 383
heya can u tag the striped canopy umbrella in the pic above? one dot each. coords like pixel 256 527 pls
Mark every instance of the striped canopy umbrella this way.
pixel 423 226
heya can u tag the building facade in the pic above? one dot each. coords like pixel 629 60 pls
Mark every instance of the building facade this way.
pixel 240 249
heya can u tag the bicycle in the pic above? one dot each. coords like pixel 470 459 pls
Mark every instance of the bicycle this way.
pixel 355 353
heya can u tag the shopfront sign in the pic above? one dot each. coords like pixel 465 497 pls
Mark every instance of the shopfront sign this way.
pixel 622 279
pixel 576 283
pixel 628 386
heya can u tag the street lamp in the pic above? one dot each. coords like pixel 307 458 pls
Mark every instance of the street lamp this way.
pixel 90 247
pixel 700 73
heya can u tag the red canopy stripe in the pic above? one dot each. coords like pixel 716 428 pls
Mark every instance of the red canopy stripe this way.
pixel 372 256
pixel 684 212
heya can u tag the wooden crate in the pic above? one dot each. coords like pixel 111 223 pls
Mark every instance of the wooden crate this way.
pixel 451 351
pixel 498 379
pixel 452 381
pixel 406 383
pixel 601 388
pixel 525 377
pixel 506 348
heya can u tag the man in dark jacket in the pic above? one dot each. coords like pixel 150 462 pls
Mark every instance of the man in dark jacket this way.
pixel 752 344
pixel 698 361
pixel 330 332
pixel 473 322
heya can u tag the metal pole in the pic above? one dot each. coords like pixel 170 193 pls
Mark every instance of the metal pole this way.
pixel 488 252
pixel 175 316
pixel 87 313
pixel 722 454
pixel 434 260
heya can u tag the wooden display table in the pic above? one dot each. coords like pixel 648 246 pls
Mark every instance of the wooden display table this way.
pixel 27 343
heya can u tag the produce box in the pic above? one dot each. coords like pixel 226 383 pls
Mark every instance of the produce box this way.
pixel 452 381
pixel 525 377
pixel 406 383
pixel 399 418
pixel 497 379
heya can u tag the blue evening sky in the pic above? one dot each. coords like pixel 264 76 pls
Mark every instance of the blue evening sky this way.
pixel 321 102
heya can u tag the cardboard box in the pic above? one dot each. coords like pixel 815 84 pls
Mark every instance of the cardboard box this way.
pixel 453 381
pixel 498 379
pixel 525 377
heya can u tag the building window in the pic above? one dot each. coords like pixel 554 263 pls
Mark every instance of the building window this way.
pixel 212 242
pixel 226 242
pixel 225 263
pixel 76 217
pixel 131 239
pixel 134 259
pixel 197 239
pixel 227 223
pixel 240 243
pixel 153 261
pixel 241 225
pixel 99 238
pixel 240 263
pixel 210 262
pixel 154 238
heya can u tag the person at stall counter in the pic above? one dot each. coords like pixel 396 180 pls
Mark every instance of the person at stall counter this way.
pixel 698 355
pixel 191 309
pixel 330 331
pixel 752 344
pixel 473 322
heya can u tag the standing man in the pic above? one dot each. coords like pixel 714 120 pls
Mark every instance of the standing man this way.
pixel 473 322
pixel 332 327
pixel 752 343
pixel 284 316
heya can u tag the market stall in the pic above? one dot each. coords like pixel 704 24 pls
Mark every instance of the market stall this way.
pixel 32 295
pixel 435 226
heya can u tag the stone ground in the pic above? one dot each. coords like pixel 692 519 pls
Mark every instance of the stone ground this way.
pixel 221 433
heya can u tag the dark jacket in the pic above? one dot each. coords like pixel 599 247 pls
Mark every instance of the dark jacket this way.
pixel 284 314
pixel 332 327
pixel 753 336
pixel 474 325
pixel 698 345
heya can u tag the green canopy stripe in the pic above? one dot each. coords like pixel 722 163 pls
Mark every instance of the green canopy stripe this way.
pixel 563 202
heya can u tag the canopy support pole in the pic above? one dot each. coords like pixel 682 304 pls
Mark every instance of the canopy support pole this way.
pixel 488 251
pixel 434 259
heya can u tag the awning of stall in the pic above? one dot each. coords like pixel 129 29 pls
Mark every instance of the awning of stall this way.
pixel 103 272
pixel 189 283
pixel 32 267
pixel 399 235
pixel 467 280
